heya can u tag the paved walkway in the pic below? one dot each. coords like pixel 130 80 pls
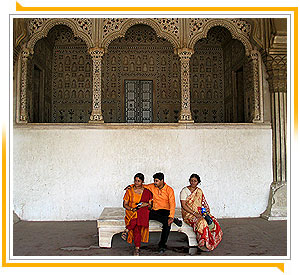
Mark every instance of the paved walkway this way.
pixel 242 237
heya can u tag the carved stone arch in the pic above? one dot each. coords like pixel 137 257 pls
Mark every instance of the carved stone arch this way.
pixel 229 25
pixel 49 24
pixel 146 21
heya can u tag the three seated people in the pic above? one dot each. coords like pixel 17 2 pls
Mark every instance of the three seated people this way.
pixel 156 201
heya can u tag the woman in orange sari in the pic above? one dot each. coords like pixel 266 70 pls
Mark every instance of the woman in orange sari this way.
pixel 137 201
pixel 192 201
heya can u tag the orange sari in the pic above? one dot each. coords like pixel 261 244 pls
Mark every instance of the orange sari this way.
pixel 205 237
pixel 141 216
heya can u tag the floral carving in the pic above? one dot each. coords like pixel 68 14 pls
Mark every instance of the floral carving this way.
pixel 241 25
pixel 255 56
pixel 85 24
pixel 196 25
pixel 238 28
pixel 97 54
pixel 36 24
pixel 111 25
pixel 114 28
pixel 23 95
pixel 185 56
pixel 170 25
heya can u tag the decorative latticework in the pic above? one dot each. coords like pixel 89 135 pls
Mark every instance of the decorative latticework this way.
pixel 207 78
pixel 71 79
pixel 111 25
pixel 35 24
pixel 199 24
pixel 169 25
pixel 205 86
pixel 239 29
pixel 85 24
pixel 141 55
pixel 214 90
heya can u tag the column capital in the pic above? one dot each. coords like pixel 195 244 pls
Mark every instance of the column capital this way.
pixel 96 52
pixel 185 53
pixel 254 54
pixel 277 72
pixel 25 53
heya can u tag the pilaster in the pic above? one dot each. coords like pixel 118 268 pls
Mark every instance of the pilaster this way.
pixel 97 54
pixel 277 71
pixel 25 54
pixel 257 88
pixel 185 113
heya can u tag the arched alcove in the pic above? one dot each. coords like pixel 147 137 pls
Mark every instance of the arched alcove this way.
pixel 217 75
pixel 141 78
pixel 60 79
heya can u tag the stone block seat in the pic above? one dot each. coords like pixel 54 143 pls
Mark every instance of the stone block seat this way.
pixel 111 222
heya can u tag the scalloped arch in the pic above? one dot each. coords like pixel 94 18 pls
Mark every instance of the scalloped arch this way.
pixel 136 21
pixel 235 33
pixel 48 25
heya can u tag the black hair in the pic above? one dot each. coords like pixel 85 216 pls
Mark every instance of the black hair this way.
pixel 195 176
pixel 159 176
pixel 140 176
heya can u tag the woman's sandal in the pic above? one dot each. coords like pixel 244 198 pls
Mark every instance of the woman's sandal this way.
pixel 124 235
pixel 204 249
pixel 136 252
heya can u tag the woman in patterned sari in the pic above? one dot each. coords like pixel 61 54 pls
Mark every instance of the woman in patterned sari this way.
pixel 137 201
pixel 192 201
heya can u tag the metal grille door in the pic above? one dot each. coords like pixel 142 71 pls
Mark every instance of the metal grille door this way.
pixel 138 101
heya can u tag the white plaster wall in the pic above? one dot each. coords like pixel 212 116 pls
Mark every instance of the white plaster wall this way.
pixel 73 173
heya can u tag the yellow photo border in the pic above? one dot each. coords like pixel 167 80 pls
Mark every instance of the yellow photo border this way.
pixel 145 264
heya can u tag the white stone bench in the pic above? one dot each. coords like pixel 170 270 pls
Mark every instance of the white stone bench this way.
pixel 112 222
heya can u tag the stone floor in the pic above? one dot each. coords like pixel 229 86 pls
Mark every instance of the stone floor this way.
pixel 242 237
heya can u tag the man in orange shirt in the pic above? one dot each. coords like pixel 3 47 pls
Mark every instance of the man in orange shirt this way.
pixel 163 209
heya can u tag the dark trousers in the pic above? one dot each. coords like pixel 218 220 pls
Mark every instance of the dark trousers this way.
pixel 161 215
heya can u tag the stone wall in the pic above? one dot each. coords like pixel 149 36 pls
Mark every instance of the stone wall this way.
pixel 73 172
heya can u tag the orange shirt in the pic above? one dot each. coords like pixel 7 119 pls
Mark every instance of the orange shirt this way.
pixel 163 198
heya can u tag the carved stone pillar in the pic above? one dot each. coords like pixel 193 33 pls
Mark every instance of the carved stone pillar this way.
pixel 23 93
pixel 185 113
pixel 97 54
pixel 257 85
pixel 277 71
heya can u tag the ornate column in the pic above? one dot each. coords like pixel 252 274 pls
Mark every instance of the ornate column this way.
pixel 257 85
pixel 277 71
pixel 23 93
pixel 97 54
pixel 185 113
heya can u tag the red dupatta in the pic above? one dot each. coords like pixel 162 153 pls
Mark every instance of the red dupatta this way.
pixel 143 213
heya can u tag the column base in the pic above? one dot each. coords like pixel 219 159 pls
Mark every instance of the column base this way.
pixel 277 204
pixel 23 119
pixel 96 121
pixel 96 118
pixel 185 121
pixel 185 117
